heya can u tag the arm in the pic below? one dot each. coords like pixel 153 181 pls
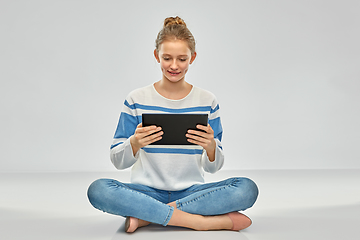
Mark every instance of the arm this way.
pixel 121 153
pixel 128 141
pixel 213 157
pixel 216 165
pixel 204 139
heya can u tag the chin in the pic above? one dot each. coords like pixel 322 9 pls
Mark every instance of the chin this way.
pixel 175 80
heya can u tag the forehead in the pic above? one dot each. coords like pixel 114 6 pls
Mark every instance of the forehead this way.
pixel 175 47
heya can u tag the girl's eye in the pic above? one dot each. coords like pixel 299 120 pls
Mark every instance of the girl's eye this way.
pixel 166 59
pixel 183 59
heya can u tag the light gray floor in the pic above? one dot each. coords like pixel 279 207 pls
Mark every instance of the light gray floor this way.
pixel 293 204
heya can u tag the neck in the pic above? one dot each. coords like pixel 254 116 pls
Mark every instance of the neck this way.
pixel 173 86
pixel 173 90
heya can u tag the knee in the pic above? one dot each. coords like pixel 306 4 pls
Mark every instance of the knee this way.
pixel 248 191
pixel 96 191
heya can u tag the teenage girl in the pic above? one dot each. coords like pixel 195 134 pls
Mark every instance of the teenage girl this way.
pixel 167 182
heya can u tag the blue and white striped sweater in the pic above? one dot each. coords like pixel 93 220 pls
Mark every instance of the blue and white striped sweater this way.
pixel 127 122
pixel 148 100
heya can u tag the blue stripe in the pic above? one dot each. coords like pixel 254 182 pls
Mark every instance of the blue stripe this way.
pixel 126 126
pixel 132 107
pixel 173 150
pixel 114 145
pixel 167 150
pixel 215 109
pixel 216 126
pixel 171 110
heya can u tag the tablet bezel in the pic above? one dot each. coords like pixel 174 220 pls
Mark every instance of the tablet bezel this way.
pixel 174 126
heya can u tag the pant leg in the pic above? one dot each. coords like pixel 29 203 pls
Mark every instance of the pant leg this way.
pixel 233 194
pixel 117 198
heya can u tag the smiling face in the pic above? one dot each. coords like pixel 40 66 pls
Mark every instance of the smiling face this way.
pixel 174 58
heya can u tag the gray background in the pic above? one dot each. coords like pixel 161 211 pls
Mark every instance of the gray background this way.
pixel 286 74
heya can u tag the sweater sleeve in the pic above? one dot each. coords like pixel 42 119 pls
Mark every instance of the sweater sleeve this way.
pixel 121 153
pixel 215 123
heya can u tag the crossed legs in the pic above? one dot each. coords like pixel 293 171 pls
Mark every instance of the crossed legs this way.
pixel 211 206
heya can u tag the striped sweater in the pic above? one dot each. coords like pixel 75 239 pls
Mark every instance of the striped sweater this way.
pixel 166 167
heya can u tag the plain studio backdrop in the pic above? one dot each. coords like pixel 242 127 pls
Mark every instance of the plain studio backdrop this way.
pixel 286 74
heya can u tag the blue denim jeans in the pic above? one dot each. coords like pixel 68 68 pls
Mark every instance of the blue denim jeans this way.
pixel 149 204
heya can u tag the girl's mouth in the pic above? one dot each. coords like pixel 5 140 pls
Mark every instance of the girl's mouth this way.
pixel 174 73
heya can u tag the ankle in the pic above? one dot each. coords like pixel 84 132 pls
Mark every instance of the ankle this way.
pixel 131 224
pixel 203 223
pixel 142 223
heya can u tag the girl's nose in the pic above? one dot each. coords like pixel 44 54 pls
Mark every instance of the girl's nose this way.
pixel 173 65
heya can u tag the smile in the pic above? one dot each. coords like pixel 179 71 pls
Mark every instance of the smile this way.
pixel 174 73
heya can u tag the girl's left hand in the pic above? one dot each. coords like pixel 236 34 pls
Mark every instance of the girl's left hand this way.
pixel 204 139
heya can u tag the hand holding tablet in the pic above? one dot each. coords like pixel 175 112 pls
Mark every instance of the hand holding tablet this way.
pixel 144 136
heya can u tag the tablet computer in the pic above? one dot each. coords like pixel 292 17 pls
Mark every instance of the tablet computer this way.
pixel 174 126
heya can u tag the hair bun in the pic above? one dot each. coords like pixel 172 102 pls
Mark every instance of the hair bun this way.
pixel 173 21
pixel 175 29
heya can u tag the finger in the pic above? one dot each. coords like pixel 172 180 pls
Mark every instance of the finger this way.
pixel 152 141
pixel 140 135
pixel 202 127
pixel 152 138
pixel 152 132
pixel 207 145
pixel 201 134
pixel 198 138
pixel 152 129
pixel 148 128
pixel 207 128
pixel 197 142
pixel 146 137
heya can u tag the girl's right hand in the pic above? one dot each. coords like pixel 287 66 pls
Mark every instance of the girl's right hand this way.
pixel 142 137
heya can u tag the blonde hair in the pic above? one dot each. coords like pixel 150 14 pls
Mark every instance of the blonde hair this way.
pixel 175 29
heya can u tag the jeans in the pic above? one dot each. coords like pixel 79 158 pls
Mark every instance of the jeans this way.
pixel 149 204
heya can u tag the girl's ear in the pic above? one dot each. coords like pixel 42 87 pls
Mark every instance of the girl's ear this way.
pixel 156 56
pixel 193 56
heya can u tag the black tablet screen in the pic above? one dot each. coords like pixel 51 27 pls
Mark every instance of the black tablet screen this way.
pixel 174 126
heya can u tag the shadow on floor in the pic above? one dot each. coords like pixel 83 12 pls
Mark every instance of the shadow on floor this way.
pixel 337 222
pixel 157 232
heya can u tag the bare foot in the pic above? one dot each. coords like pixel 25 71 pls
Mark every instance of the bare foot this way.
pixel 216 222
pixel 131 224
pixel 231 221
pixel 239 221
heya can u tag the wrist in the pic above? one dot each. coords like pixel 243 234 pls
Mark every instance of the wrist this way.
pixel 211 151
pixel 133 145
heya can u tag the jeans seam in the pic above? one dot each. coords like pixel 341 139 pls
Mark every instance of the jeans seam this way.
pixel 168 217
pixel 178 204
pixel 234 181
pixel 136 189
pixel 194 199
pixel 198 190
